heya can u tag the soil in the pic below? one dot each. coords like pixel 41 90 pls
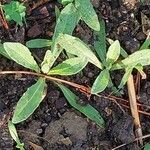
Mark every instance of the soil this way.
pixel 55 125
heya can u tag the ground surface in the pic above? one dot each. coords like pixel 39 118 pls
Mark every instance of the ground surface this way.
pixel 55 125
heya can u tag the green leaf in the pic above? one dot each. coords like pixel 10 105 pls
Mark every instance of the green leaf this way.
pixel 15 11
pixel 14 135
pixel 64 2
pixel 3 52
pixel 113 53
pixel 87 110
pixel 21 55
pixel 30 100
pixel 125 78
pixel 101 82
pixel 66 23
pixel 100 42
pixel 123 53
pixel 45 65
pixel 75 46
pixel 39 43
pixel 140 57
pixel 117 66
pixel 146 44
pixel 57 12
pixel 69 67
pixel 88 13
pixel 147 146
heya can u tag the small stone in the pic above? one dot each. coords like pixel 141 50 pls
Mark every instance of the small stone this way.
pixel 141 36
pixel 66 141
pixel 34 31
pixel 48 118
pixel 74 125
pixel 39 131
pixel 44 125
pixel 90 75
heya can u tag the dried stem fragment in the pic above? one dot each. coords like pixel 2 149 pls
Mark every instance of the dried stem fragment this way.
pixel 134 108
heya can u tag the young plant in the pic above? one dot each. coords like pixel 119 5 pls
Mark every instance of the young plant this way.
pixel 67 19
pixel 32 98
pixel 15 11
pixel 136 60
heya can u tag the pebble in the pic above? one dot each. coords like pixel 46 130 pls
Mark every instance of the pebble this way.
pixel 34 31
pixel 44 125
pixel 66 141
pixel 90 75
pixel 132 45
pixel 39 131
pixel 140 36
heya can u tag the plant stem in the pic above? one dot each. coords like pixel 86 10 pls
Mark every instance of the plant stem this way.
pixel 2 18
pixel 134 108
pixel 78 86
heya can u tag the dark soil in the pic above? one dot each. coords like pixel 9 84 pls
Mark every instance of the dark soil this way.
pixel 55 125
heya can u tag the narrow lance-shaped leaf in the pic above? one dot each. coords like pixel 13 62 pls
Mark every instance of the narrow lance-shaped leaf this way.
pixel 29 101
pixel 146 44
pixel 125 78
pixel 66 23
pixel 100 42
pixel 140 57
pixel 101 82
pixel 113 53
pixel 87 110
pixel 45 65
pixel 69 67
pixel 21 55
pixel 88 13
pixel 14 135
pixel 38 43
pixel 75 46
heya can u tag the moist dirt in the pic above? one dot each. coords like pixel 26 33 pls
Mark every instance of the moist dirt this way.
pixel 55 125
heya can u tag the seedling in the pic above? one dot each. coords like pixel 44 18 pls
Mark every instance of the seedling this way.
pixel 81 55
pixel 66 22
pixel 15 11
pixel 136 60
